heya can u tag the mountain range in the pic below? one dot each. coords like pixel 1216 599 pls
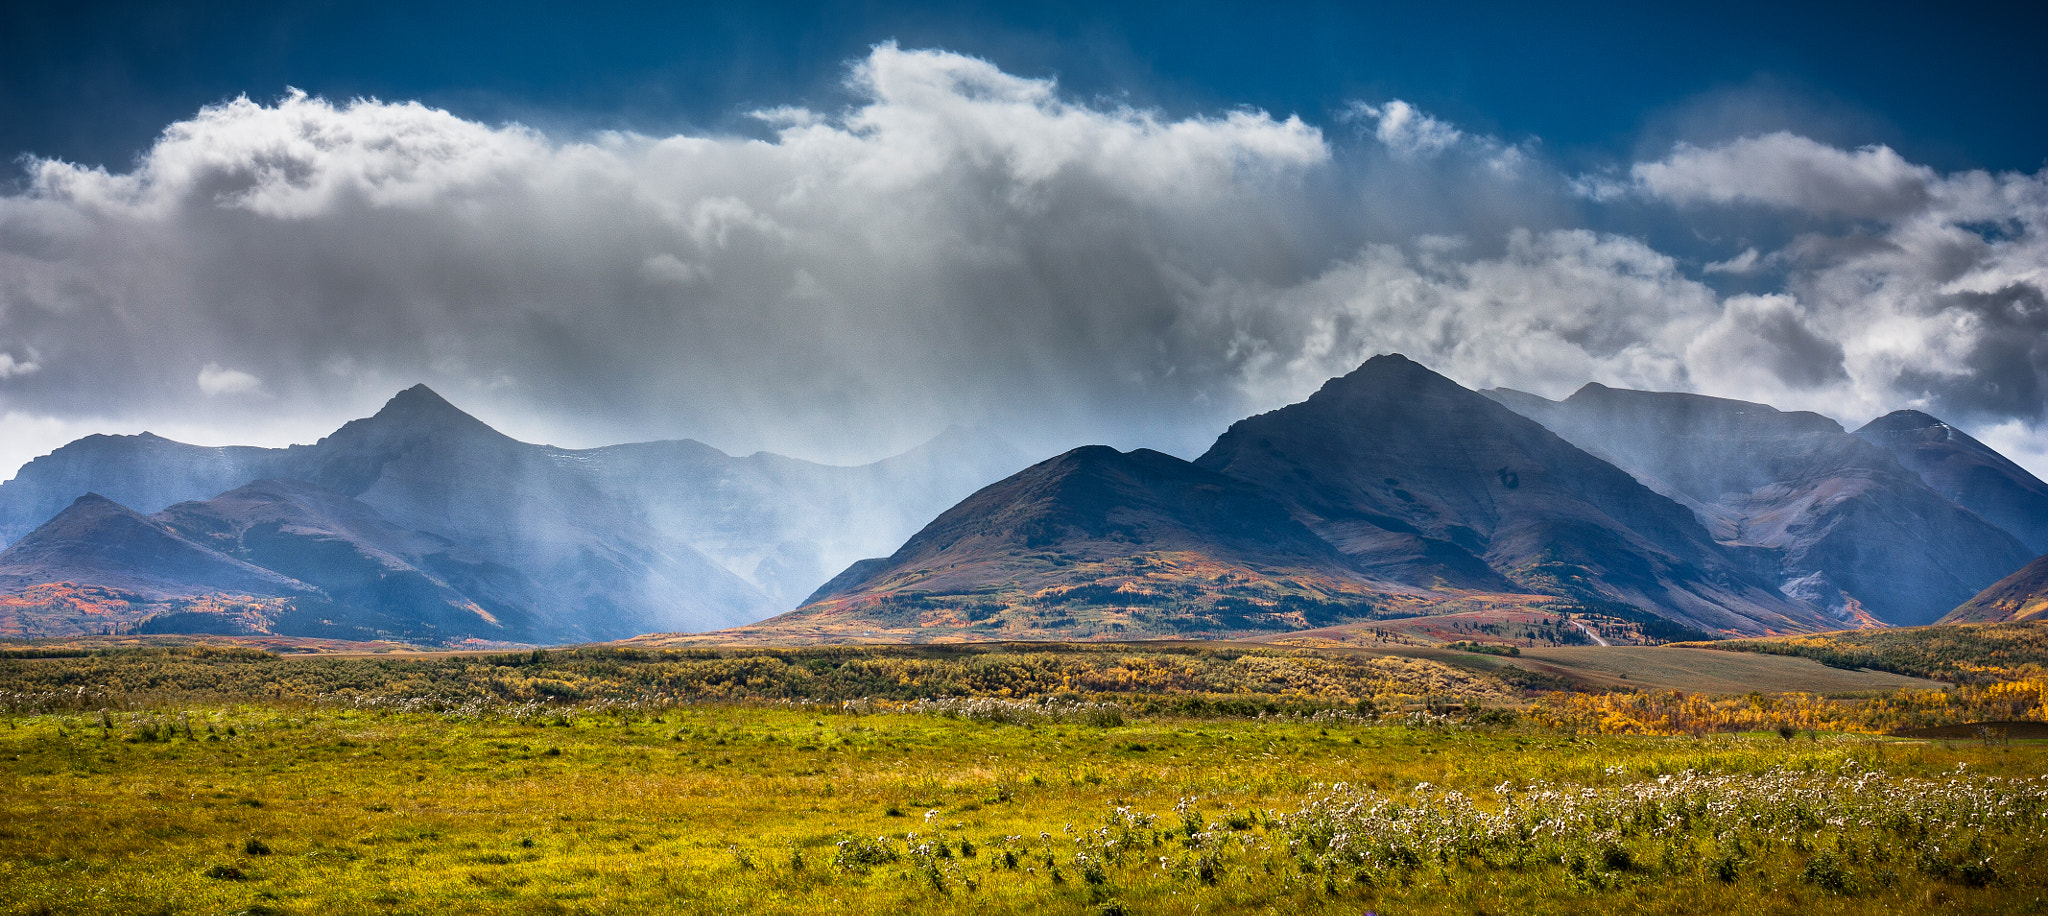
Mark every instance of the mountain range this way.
pixel 1395 462
pixel 1391 491
pixel 554 545
pixel 1837 520
pixel 1712 515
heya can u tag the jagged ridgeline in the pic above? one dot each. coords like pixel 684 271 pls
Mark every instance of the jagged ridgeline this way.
pixel 422 523
pixel 1392 492
pixel 1676 515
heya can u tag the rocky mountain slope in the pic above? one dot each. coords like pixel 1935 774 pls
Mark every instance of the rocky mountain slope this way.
pixel 1106 543
pixel 273 556
pixel 2023 595
pixel 402 582
pixel 1967 472
pixel 1392 490
pixel 1410 472
pixel 97 541
pixel 1836 521
pixel 608 541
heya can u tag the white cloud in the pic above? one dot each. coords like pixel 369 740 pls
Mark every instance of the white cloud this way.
pixel 1744 263
pixel 1407 131
pixel 1787 170
pixel 216 380
pixel 958 241
pixel 1764 348
pixel 1933 298
pixel 11 366
pixel 1556 310
pixel 961 243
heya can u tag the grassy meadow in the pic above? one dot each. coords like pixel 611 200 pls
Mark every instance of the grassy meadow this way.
pixel 230 781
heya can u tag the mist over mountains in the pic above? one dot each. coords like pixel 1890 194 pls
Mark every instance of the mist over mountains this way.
pixel 1390 491
pixel 1849 528
pixel 559 545
pixel 1713 515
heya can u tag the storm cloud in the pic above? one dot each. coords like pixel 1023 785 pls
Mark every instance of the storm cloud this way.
pixel 961 244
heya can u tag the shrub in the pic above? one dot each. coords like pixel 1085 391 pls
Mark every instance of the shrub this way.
pixel 858 855
pixel 1826 871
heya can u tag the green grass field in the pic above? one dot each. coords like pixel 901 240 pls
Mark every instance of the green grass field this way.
pixel 757 808
pixel 1189 778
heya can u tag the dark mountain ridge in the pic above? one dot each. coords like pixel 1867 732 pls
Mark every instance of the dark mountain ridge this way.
pixel 1141 541
pixel 1966 471
pixel 1390 486
pixel 1095 503
pixel 145 472
pixel 1398 466
pixel 406 583
pixel 98 541
pixel 2023 595
pixel 273 556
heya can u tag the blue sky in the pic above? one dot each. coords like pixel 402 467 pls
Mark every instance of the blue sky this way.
pixel 833 230
pixel 1951 86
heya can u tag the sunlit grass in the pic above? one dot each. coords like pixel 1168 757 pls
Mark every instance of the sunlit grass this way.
pixel 257 808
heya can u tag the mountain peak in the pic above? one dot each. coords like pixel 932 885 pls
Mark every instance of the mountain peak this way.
pixel 1967 471
pixel 1385 375
pixel 1093 509
pixel 1389 364
pixel 419 407
pixel 93 507
pixel 1901 421
pixel 94 503
pixel 418 398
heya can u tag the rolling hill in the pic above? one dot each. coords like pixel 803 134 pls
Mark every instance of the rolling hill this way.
pixel 2020 596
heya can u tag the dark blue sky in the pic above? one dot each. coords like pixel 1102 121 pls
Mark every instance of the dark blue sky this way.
pixel 1952 88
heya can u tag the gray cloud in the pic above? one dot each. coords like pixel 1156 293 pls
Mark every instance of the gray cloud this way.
pixel 1786 170
pixel 963 244
pixel 1766 334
